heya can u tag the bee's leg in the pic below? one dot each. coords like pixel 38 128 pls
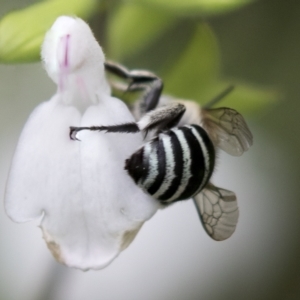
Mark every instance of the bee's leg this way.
pixel 121 128
pixel 219 97
pixel 140 80
pixel 162 118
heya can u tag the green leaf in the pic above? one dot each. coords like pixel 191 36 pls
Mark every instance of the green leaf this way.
pixel 196 76
pixel 197 68
pixel 193 7
pixel 133 27
pixel 22 32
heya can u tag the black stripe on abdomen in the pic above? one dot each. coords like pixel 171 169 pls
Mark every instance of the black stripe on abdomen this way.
pixel 197 164
pixel 178 169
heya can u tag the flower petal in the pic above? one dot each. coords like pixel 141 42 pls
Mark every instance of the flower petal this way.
pixel 88 207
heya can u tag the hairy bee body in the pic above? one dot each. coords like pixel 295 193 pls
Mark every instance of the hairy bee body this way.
pixel 175 165
pixel 178 163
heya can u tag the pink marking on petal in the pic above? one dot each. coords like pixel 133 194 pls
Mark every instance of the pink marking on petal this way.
pixel 64 63
pixel 66 50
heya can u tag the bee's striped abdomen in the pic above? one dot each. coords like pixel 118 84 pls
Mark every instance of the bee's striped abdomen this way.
pixel 175 165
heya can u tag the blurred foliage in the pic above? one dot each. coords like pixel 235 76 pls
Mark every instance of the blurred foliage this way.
pixel 22 32
pixel 248 98
pixel 167 36
pixel 194 7
pixel 197 67
pixel 133 27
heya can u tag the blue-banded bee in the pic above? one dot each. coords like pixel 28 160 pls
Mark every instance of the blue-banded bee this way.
pixel 177 162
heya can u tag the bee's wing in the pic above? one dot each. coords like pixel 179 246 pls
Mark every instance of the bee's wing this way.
pixel 228 130
pixel 218 211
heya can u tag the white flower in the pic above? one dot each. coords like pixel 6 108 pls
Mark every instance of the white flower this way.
pixel 88 207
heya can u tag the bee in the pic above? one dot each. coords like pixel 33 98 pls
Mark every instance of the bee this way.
pixel 177 162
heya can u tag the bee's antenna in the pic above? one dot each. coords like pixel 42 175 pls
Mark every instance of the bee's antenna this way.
pixel 215 100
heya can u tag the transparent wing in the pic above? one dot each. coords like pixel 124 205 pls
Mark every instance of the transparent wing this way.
pixel 228 130
pixel 218 211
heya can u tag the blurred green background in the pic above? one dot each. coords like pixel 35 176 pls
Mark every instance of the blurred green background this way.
pixel 197 52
